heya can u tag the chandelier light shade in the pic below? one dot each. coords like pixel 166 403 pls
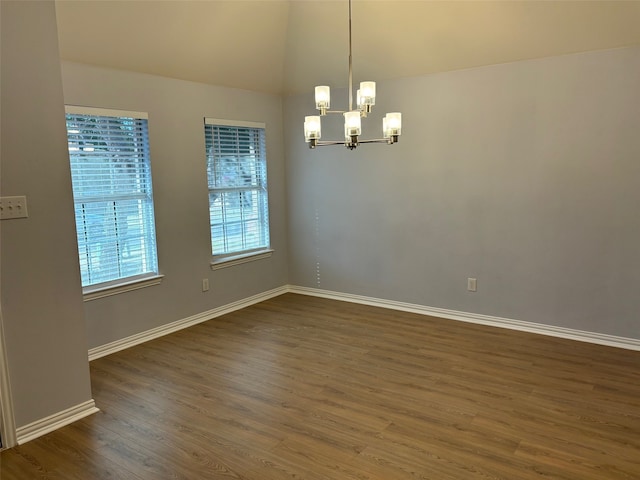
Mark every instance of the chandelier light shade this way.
pixel 365 100
pixel 352 124
pixel 323 98
pixel 312 128
pixel 392 125
pixel 367 96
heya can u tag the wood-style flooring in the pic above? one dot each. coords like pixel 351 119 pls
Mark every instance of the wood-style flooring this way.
pixel 299 387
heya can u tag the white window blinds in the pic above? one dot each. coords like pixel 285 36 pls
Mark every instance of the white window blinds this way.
pixel 237 175
pixel 111 177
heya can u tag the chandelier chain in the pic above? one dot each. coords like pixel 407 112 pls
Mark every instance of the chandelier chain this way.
pixel 350 63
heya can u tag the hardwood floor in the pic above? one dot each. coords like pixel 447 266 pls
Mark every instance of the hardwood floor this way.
pixel 300 387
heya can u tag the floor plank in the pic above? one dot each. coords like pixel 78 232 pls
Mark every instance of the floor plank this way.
pixel 300 387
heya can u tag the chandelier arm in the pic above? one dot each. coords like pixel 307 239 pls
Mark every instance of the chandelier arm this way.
pixel 374 140
pixel 324 143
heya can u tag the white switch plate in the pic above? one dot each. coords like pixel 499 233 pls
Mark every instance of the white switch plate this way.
pixel 205 284
pixel 13 207
pixel 472 284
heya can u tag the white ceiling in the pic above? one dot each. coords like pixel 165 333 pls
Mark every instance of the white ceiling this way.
pixel 287 47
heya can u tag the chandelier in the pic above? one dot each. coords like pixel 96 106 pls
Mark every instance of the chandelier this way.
pixel 365 98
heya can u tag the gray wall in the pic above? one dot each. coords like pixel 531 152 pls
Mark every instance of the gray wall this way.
pixel 176 111
pixel 524 175
pixel 41 298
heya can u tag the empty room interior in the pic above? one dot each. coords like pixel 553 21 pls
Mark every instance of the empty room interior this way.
pixel 226 253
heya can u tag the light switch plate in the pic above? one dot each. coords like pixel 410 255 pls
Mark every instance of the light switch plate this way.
pixel 13 207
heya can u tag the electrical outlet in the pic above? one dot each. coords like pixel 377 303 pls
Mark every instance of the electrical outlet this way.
pixel 472 284
pixel 205 284
pixel 13 207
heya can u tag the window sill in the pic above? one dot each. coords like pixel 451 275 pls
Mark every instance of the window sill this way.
pixel 225 262
pixel 93 293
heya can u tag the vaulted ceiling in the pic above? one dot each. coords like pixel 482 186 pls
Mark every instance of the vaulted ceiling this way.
pixel 287 47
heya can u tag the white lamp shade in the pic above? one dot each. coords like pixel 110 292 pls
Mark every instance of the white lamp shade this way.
pixel 368 93
pixel 392 124
pixel 323 97
pixel 312 128
pixel 352 124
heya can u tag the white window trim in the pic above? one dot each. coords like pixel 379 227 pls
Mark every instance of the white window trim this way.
pixel 104 112
pixel 115 288
pixel 234 123
pixel 230 261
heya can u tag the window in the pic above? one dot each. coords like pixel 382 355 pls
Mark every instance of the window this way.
pixel 237 175
pixel 111 177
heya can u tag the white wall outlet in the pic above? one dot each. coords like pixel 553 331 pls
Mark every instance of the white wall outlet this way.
pixel 13 207
pixel 472 284
pixel 205 284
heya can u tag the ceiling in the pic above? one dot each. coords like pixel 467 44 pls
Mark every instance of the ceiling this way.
pixel 287 47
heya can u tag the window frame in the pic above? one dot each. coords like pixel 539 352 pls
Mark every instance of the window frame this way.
pixel 135 281
pixel 227 259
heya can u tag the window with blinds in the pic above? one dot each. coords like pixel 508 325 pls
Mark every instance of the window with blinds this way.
pixel 237 175
pixel 111 177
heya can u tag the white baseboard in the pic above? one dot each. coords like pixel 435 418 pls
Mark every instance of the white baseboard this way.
pixel 53 422
pixel 124 343
pixel 550 330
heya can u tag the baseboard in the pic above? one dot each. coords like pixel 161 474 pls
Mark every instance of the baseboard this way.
pixel 124 343
pixel 550 330
pixel 53 422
